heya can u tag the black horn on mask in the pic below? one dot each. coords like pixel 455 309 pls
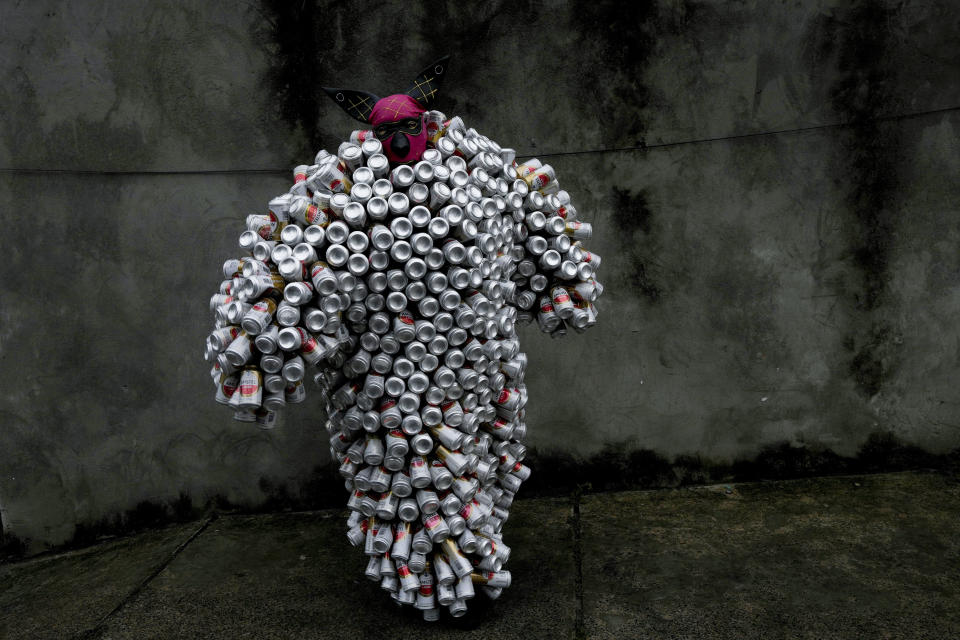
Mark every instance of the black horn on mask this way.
pixel 358 104
pixel 425 86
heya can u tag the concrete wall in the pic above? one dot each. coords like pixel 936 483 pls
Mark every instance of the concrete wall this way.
pixel 763 287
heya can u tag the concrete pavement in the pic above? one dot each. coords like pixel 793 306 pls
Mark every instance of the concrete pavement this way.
pixel 873 556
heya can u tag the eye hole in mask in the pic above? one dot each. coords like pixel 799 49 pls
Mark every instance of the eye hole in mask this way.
pixel 411 126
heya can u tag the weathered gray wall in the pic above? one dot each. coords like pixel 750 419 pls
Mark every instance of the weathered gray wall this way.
pixel 801 286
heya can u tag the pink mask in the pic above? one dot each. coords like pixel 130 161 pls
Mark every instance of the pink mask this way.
pixel 398 123
pixel 397 120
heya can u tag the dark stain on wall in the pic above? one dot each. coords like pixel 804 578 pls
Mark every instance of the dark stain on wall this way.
pixel 620 38
pixel 621 465
pixel 12 547
pixel 857 41
pixel 631 211
pixel 632 220
pixel 460 27
pixel 294 29
pixel 873 358
pixel 144 516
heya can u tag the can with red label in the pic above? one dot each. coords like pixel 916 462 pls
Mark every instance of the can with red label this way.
pixel 323 278
pixel 261 284
pixel 221 338
pixel 433 121
pixel 251 389
pixel 540 178
pixel 529 168
pixel 441 476
pixel 455 461
pixel 362 135
pixel 578 230
pixel 332 179
pixel 357 533
pixel 294 392
pixel 436 527
pixel 311 350
pixel 227 387
pixel 425 596
pixel 408 581
pixel 562 303
pixel 258 318
pixel 240 350
pixel 263 226
pixel 387 506
pixel 396 443
pixel 509 398
pixel 390 416
pixel 454 556
pixel 419 472
pixel 383 538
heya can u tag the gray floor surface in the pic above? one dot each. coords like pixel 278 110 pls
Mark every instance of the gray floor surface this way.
pixel 874 556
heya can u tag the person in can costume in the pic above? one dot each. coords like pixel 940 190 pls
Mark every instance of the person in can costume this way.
pixel 393 274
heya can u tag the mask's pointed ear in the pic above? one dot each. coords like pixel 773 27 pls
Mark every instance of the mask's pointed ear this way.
pixel 358 104
pixel 425 86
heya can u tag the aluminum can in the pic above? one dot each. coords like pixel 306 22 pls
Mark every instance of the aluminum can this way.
pixel 562 303
pixel 298 293
pixel 314 235
pixel 221 338
pixel 398 204
pixel 400 549
pixel 441 477
pixel 426 599
pixel 578 230
pixel 418 193
pixel 408 580
pixel 379 164
pixel 226 387
pixel 258 318
pixel 381 237
pixel 402 176
pixel 401 251
pixel 239 351
pixel 291 234
pixel 435 526
pixel 362 175
pixel 454 556
pixel 529 168
pixel 273 383
pixel 293 369
pixel 371 147
pixel 332 179
pixel 390 416
pixel 250 391
pixel 421 443
pixel 433 121
pixel 294 392
pixel 352 157
pixel 396 443
pixel 260 285
pixel 287 314
pixel 387 510
pixel 355 215
pixel 278 253
pixel 360 136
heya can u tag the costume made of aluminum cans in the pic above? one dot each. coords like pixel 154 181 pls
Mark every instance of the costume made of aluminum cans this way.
pixel 393 273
